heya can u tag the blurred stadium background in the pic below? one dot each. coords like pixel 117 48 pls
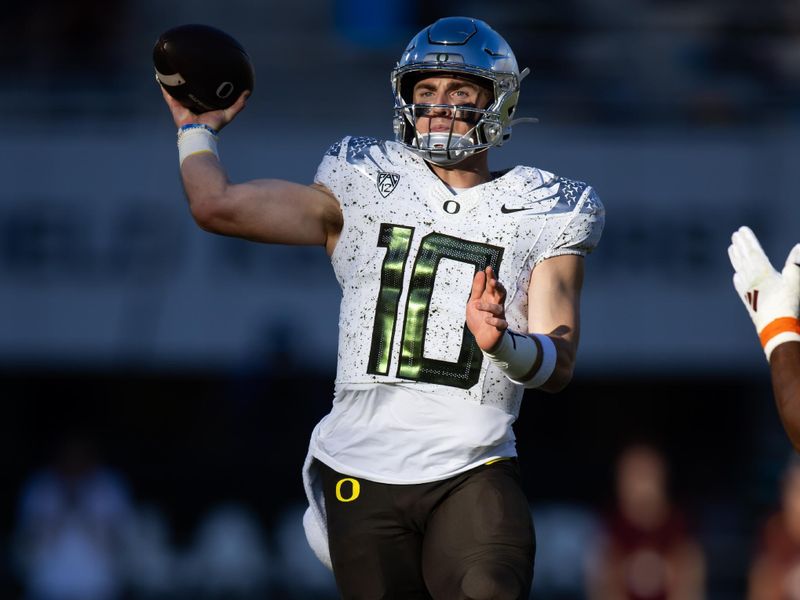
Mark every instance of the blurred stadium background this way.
pixel 194 367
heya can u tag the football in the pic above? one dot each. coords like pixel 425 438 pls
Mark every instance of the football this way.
pixel 202 67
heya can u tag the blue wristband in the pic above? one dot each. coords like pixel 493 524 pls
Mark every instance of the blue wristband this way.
pixel 190 126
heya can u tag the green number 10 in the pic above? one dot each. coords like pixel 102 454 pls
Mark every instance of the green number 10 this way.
pixel 412 363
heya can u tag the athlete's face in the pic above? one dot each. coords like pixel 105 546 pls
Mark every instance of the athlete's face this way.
pixel 446 89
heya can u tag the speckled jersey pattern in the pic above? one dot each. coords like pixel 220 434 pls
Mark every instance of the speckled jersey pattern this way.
pixel 410 248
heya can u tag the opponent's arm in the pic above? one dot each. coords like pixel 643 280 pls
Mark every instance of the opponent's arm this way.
pixel 784 366
pixel 543 357
pixel 772 300
pixel 266 210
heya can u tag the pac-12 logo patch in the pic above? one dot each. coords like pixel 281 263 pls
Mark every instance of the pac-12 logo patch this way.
pixel 387 182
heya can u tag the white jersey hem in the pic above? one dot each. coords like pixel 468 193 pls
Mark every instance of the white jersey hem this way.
pixel 378 478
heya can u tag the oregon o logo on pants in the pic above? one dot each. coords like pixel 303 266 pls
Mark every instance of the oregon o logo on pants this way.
pixel 354 492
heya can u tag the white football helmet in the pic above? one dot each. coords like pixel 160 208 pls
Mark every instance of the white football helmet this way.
pixel 465 47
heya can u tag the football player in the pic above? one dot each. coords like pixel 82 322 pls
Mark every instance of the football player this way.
pixel 412 477
pixel 772 300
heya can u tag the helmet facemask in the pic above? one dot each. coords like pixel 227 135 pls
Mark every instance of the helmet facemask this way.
pixel 449 147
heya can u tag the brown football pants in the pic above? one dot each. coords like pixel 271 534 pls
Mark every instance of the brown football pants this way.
pixel 467 537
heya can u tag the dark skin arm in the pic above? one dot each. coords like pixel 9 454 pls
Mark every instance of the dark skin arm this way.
pixel 784 365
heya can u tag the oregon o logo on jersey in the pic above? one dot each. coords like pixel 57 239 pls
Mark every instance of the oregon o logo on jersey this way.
pixel 355 489
pixel 451 207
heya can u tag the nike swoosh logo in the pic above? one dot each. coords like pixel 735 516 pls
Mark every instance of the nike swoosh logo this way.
pixel 505 210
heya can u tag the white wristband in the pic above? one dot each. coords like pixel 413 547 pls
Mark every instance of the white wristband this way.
pixel 779 339
pixel 195 138
pixel 517 354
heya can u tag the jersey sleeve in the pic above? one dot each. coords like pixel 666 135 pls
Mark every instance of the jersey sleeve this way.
pixel 582 230
pixel 349 160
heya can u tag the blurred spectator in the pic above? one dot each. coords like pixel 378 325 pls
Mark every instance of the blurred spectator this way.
pixel 775 570
pixel 150 560
pixel 563 534
pixel 647 552
pixel 73 523
pixel 229 559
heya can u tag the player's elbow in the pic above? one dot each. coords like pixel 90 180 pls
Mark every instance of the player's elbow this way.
pixel 210 211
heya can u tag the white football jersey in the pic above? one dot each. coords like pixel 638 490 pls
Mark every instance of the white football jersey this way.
pixel 405 261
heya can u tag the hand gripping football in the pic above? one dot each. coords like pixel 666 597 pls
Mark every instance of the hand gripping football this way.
pixel 202 67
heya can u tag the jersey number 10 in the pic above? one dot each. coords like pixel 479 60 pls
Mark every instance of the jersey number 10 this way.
pixel 412 363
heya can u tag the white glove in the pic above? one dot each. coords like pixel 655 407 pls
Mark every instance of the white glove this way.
pixel 771 298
